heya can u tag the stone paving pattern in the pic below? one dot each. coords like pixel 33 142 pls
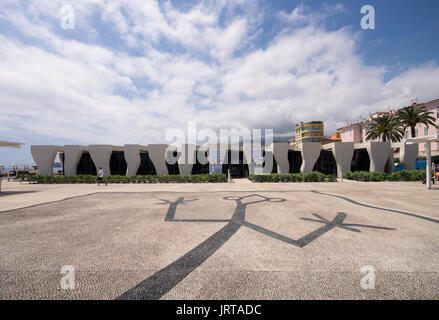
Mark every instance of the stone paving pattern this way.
pixel 219 241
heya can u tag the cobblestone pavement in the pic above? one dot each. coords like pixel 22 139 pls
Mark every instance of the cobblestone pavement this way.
pixel 219 241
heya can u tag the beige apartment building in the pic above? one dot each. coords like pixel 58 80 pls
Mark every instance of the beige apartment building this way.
pixel 356 132
pixel 308 132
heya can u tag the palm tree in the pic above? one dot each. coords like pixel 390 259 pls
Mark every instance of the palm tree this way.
pixel 386 128
pixel 410 117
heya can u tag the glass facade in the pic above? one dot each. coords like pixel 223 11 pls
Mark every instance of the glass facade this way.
pixel 325 164
pixel 199 168
pixel 173 167
pixel 146 166
pixel 239 169
pixel 118 165
pixel 215 165
pixel 360 160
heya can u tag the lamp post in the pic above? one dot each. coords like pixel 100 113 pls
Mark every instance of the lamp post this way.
pixel 428 166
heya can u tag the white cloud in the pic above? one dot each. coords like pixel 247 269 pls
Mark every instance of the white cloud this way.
pixel 198 63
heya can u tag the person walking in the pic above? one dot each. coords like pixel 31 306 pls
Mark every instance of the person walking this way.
pixel 101 176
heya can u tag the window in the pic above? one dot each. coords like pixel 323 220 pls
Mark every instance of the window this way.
pixel 425 131
pixel 416 132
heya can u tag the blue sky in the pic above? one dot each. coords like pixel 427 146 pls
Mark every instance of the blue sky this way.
pixel 130 70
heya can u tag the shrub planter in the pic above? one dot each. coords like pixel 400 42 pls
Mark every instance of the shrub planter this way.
pixel 405 175
pixel 293 177
pixel 199 178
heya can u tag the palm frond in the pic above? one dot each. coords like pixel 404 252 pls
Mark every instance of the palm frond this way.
pixel 385 128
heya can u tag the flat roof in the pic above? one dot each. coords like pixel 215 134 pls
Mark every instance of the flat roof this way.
pixel 8 144
pixel 423 139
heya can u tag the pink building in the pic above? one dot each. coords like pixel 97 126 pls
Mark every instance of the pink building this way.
pixel 356 132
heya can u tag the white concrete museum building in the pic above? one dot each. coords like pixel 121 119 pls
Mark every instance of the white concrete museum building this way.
pixel 163 159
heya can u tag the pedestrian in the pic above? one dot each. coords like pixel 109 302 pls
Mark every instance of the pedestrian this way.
pixel 101 176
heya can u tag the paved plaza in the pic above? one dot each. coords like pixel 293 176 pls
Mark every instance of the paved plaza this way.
pixel 220 241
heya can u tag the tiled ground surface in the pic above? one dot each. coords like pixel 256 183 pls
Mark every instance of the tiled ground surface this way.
pixel 241 241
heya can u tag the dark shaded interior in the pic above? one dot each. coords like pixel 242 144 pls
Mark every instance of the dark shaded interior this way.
pixel 173 168
pixel 146 166
pixel 295 161
pixel 360 160
pixel 236 170
pixel 61 160
pixel 274 170
pixel 326 163
pixel 199 168
pixel 118 165
pixel 86 165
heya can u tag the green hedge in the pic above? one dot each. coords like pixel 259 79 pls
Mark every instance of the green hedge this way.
pixel 198 178
pixel 405 175
pixel 293 177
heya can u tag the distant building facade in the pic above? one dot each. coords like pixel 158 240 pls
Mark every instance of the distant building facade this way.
pixel 356 132
pixel 308 132
pixel 335 137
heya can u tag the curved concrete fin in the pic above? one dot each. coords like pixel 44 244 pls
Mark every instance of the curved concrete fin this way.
pixel 157 154
pixel 343 153
pixel 44 157
pixel 310 153
pixel 101 155
pixel 408 154
pixel 280 153
pixel 379 153
pixel 187 159
pixel 132 158
pixel 72 156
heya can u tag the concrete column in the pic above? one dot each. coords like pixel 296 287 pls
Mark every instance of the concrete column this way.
pixel 408 153
pixel 379 153
pixel 44 157
pixel 280 153
pixel 428 164
pixel 310 153
pixel 72 155
pixel 101 155
pixel 187 159
pixel 343 153
pixel 157 154
pixel 132 157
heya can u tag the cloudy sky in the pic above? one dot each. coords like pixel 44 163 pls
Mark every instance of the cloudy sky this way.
pixel 131 69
